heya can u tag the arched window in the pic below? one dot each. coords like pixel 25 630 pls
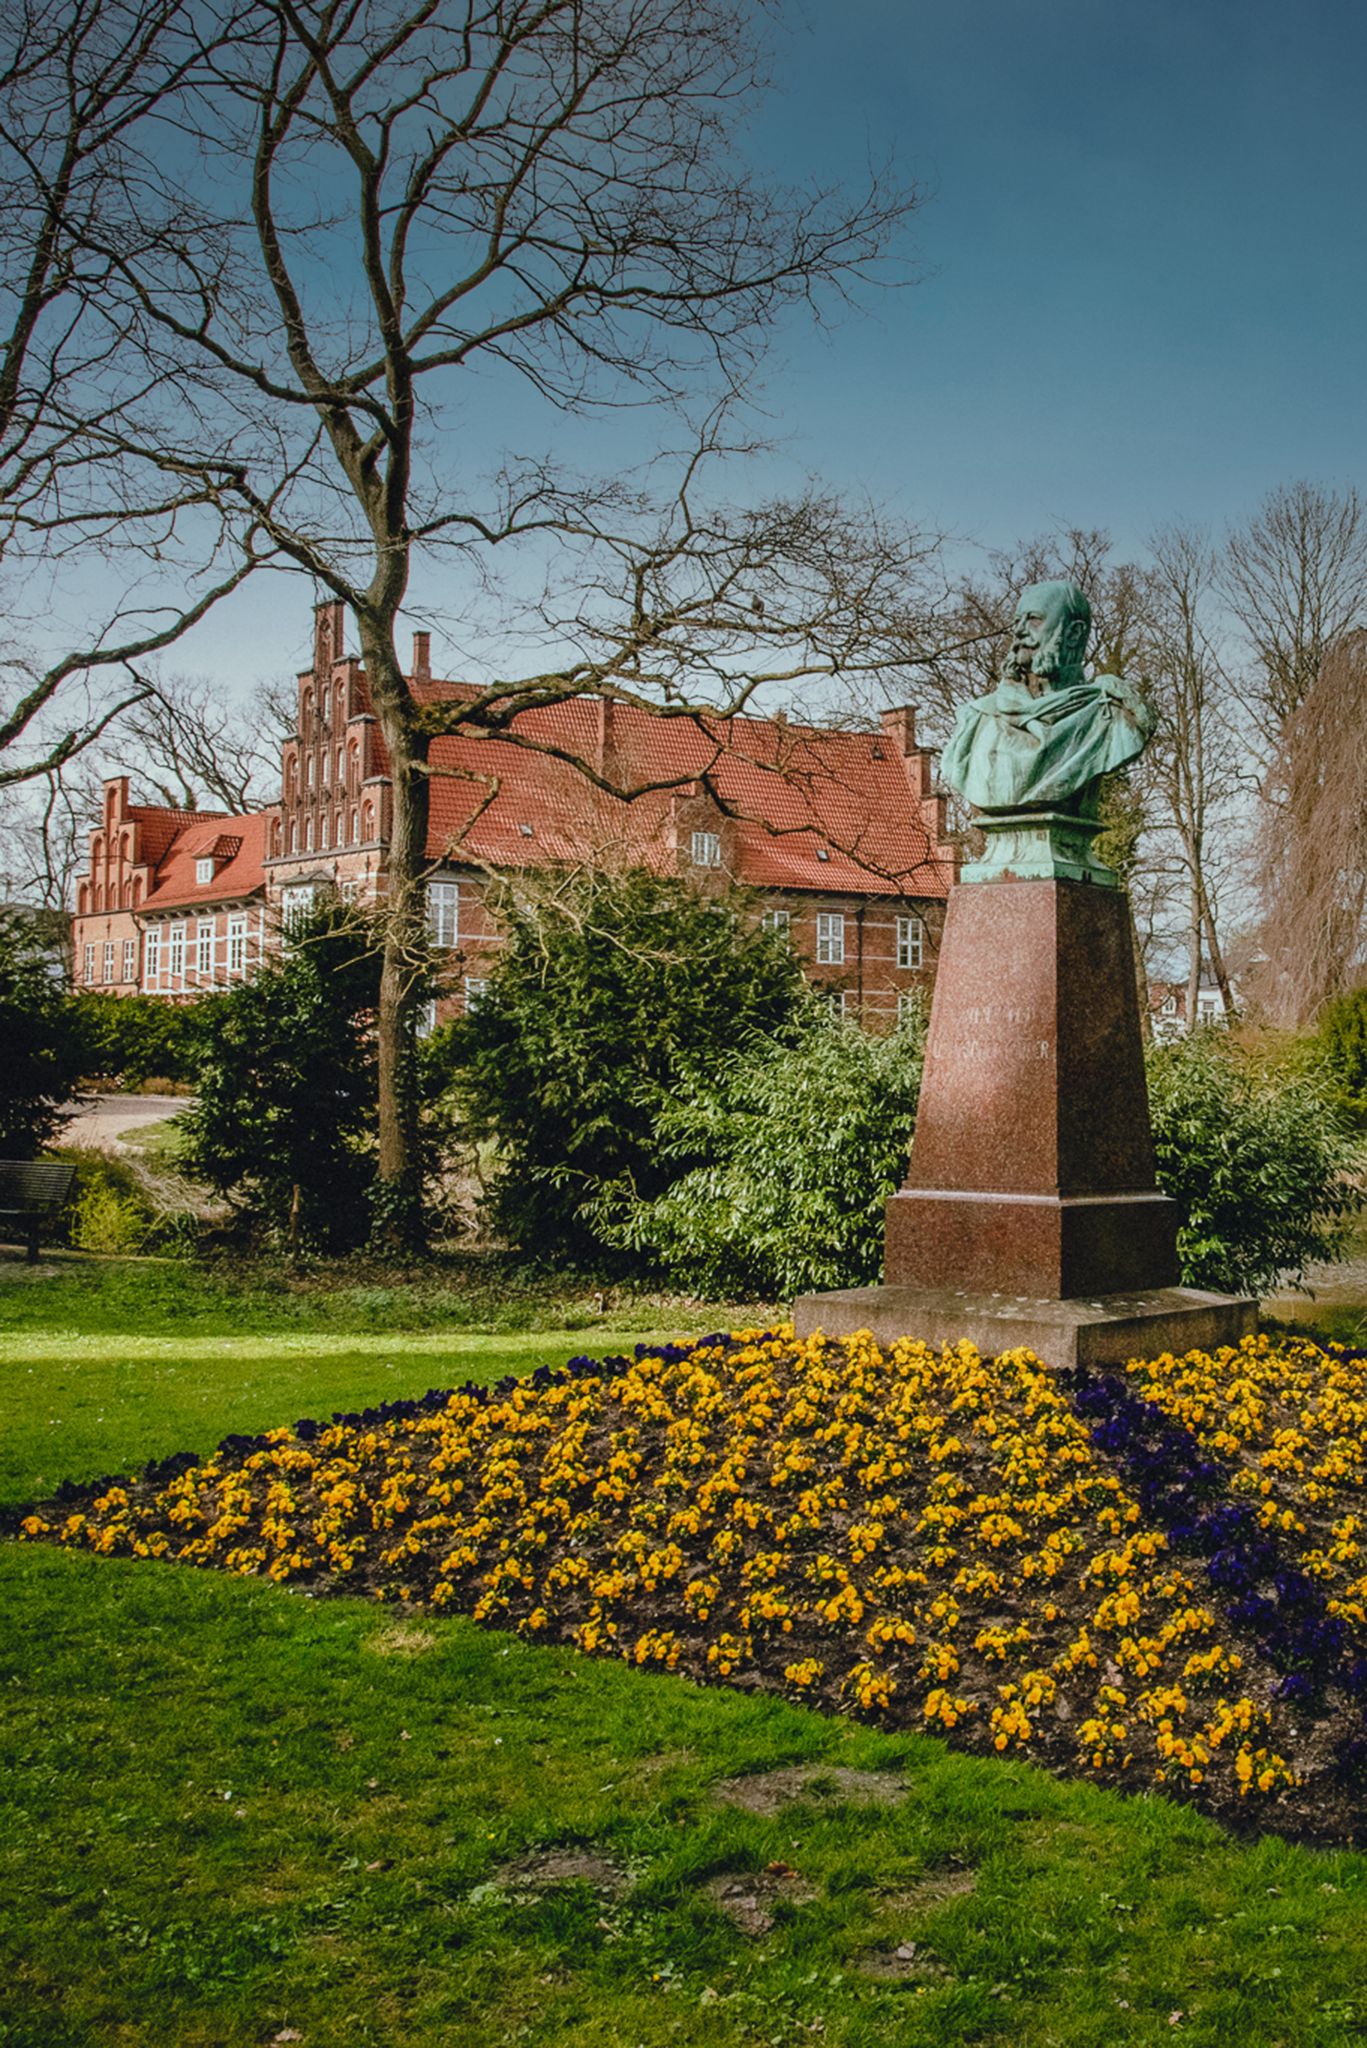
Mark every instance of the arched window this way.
pixel 308 835
pixel 290 766
pixel 289 837
pixel 369 821
pixel 96 897
pixel 337 825
pixel 341 766
pixel 353 828
pixel 323 831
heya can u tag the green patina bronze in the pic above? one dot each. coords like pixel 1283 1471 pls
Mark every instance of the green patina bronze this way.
pixel 1030 755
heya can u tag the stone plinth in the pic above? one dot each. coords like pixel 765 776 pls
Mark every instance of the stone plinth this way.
pixel 1031 1214
pixel 1032 1167
pixel 1106 1330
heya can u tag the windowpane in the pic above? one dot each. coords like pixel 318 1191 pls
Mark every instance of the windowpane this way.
pixel 176 941
pixel 108 974
pixel 237 945
pixel 204 947
pixel 706 850
pixel 830 938
pixel 910 938
pixel 130 959
pixel 443 912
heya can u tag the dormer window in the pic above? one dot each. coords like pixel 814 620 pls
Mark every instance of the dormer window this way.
pixel 204 868
pixel 525 829
pixel 706 850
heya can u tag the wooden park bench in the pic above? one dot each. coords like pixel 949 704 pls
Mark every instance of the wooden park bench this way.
pixel 32 1190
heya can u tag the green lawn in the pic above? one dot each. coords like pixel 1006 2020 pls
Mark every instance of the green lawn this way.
pixel 232 1815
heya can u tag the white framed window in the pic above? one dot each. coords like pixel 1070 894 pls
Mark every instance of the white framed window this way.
pixel 308 772
pixel 296 905
pixel 348 892
pixel 1207 1007
pixel 443 912
pixel 427 1019
pixel 175 946
pixel 237 945
pixel 777 920
pixel 911 936
pixel 835 997
pixel 1170 1006
pixel 108 961
pixel 88 963
pixel 908 1004
pixel 204 868
pixel 476 988
pixel 706 850
pixel 204 946
pixel 151 953
pixel 323 831
pixel 830 938
pixel 341 766
pixel 130 959
pixel 308 834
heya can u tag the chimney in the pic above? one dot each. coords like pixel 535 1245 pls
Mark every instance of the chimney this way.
pixel 899 728
pixel 329 636
pixel 422 657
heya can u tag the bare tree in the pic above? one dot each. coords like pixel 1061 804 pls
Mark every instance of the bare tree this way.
pixel 1314 843
pixel 1193 761
pixel 1295 577
pixel 192 745
pixel 79 81
pixel 399 202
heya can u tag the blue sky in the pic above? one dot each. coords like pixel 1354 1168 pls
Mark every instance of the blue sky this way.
pixel 1143 272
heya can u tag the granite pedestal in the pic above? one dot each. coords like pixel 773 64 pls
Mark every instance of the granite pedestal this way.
pixel 1031 1214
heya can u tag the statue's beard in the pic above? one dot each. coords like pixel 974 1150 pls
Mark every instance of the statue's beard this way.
pixel 1036 667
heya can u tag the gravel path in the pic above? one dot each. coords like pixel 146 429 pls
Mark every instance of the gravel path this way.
pixel 102 1119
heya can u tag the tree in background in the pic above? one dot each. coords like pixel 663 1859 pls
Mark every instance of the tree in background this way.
pixel 89 466
pixel 610 994
pixel 40 1032
pixel 1193 763
pixel 392 207
pixel 802 1139
pixel 1295 577
pixel 1314 843
pixel 283 1121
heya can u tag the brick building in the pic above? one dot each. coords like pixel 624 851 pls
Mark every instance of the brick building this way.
pixel 840 834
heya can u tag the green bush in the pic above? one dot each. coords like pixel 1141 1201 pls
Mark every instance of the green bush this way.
pixel 1342 1045
pixel 1256 1157
pixel 112 1210
pixel 602 1005
pixel 803 1143
pixel 283 1121
pixel 42 1051
pixel 134 1039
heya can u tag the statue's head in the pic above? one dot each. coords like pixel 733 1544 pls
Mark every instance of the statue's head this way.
pixel 1049 636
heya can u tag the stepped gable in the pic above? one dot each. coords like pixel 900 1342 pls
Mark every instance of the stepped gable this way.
pixel 238 855
pixel 803 807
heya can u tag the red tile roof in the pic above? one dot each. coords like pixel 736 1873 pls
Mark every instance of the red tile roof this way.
pixel 791 792
pixel 159 826
pixel 238 861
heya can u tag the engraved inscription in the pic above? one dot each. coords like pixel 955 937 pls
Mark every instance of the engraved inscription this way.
pixel 998 1031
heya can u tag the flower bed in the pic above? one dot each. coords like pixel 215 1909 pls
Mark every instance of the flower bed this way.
pixel 1100 1577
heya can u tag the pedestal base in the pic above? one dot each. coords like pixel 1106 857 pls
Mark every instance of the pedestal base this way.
pixel 1037 1245
pixel 1101 1330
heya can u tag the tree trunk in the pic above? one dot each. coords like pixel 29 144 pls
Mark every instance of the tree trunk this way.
pixel 399 1222
pixel 1194 955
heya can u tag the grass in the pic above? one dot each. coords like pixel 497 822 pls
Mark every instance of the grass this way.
pixel 231 1815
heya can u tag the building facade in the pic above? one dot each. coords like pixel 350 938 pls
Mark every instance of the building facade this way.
pixel 840 836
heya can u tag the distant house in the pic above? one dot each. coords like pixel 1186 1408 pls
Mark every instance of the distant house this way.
pixel 840 834
pixel 1168 1008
